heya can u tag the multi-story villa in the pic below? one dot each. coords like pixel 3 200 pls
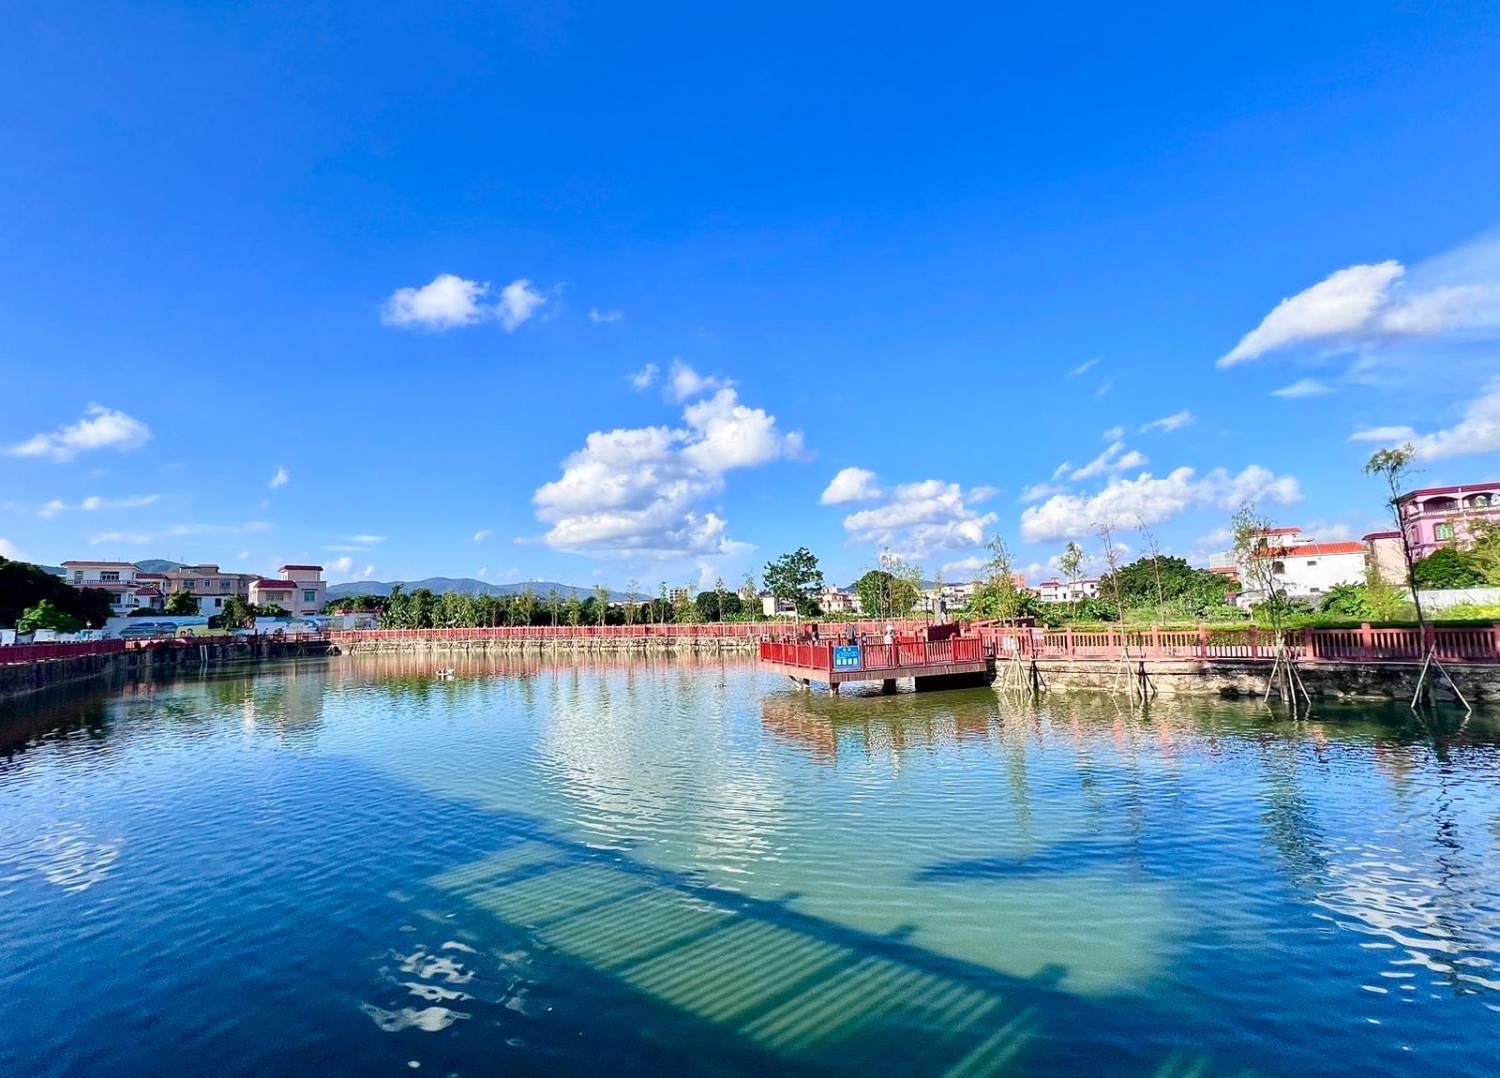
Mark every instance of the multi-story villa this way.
pixel 127 589
pixel 1301 567
pixel 311 590
pixel 836 600
pixel 209 584
pixel 1435 517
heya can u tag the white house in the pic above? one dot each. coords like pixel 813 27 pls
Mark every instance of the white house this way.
pixel 1301 567
pixel 116 577
pixel 1067 591
pixel 773 607
pixel 311 590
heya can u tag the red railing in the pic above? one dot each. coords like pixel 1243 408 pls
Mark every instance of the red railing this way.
pixel 876 657
pixel 16 654
pixel 37 653
pixel 745 630
pixel 1367 643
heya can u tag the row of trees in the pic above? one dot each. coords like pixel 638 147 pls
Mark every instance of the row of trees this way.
pixel 32 598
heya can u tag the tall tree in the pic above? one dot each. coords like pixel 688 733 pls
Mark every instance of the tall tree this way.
pixel 1070 562
pixel 1393 466
pixel 182 603
pixel 796 578
pixel 601 601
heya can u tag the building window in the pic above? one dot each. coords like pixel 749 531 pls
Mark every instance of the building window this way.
pixel 78 576
pixel 1278 567
pixel 188 585
pixel 223 585
pixel 309 596
pixel 109 577
pixel 1312 561
pixel 1442 532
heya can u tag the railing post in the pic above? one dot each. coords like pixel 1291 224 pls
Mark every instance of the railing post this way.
pixel 1155 642
pixel 1202 641
pixel 1254 642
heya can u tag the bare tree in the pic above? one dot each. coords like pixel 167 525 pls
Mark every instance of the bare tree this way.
pixel 1151 548
pixel 1394 465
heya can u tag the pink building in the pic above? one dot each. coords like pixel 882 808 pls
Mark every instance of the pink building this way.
pixel 1435 517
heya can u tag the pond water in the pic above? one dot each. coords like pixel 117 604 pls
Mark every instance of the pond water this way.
pixel 349 866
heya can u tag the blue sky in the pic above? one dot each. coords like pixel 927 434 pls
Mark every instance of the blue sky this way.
pixel 603 292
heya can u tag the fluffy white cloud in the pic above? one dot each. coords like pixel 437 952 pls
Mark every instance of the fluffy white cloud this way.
pixel 683 382
pixel 963 566
pixel 100 428
pixel 1376 302
pixel 8 550
pixel 96 502
pixel 482 534
pixel 1477 432
pixel 1150 500
pixel 342 566
pixel 850 485
pixel 640 492
pixel 518 302
pixel 1116 458
pixel 449 301
pixel 599 317
pixel 918 520
pixel 445 302
pixel 1302 387
pixel 280 479
pixel 1168 423
pixel 645 377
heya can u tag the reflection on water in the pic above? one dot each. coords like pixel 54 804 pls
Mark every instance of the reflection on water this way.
pixel 688 866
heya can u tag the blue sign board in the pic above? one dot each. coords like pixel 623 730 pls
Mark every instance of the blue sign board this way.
pixel 846 658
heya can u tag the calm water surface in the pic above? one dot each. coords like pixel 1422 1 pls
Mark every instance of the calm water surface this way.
pixel 351 867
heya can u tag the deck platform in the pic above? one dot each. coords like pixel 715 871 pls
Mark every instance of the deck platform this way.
pixel 955 660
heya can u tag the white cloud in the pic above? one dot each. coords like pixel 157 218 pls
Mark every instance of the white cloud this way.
pixel 972 564
pixel 100 428
pixel 1302 387
pixel 1168 423
pixel 1477 432
pixel 919 520
pixel 1104 388
pixel 1114 434
pixel 342 566
pixel 683 382
pixel 353 544
pixel 850 485
pixel 1378 302
pixel 1037 491
pixel 1083 368
pixel 1151 500
pixel 641 491
pixel 603 317
pixel 280 479
pixel 644 378
pixel 121 538
pixel 95 502
pixel 449 301
pixel 518 302
pixel 1062 469
pixel 446 302
pixel 8 550
pixel 1116 458
pixel 218 529
pixel 482 534
pixel 367 573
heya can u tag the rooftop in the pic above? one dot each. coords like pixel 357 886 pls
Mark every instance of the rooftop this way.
pixel 1468 488
pixel 284 568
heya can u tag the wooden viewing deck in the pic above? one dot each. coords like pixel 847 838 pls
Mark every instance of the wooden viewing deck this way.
pixel 957 660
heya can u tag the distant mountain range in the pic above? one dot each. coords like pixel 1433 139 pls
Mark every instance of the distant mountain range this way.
pixel 464 586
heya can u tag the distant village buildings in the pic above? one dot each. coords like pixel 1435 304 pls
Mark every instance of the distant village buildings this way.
pixel 1068 591
pixel 300 589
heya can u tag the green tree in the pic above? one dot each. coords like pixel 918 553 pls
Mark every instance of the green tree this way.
pixel 796 578
pixel 1070 563
pixel 44 615
pixel 182 603
pixel 1448 568
pixel 1484 549
pixel 23 585
pixel 237 614
pixel 632 600
pixel 526 605
pixel 601 601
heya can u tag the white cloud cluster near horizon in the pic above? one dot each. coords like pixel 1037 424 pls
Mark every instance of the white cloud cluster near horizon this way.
pixel 99 428
pixel 345 567
pixel 914 520
pixel 642 492
pixel 8 550
pixel 1149 500
pixel 449 301
pixel 1477 432
pixel 1374 303
pixel 178 531
pixel 95 502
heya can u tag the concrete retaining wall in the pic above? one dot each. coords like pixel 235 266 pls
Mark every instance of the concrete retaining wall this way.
pixel 1230 677
pixel 22 679
pixel 655 645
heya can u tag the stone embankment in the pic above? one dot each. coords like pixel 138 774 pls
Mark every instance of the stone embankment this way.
pixel 1479 682
pixel 163 659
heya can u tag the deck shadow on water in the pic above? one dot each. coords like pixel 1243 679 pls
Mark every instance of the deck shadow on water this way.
pixel 809 993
